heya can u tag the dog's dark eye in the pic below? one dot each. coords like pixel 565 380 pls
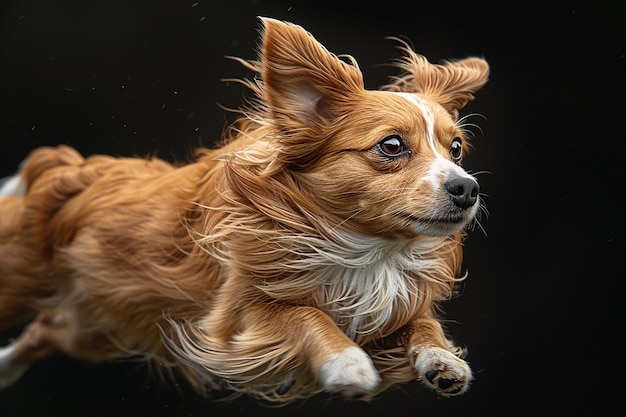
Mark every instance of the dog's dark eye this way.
pixel 456 150
pixel 393 146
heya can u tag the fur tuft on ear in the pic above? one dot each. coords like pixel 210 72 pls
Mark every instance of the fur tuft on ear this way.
pixel 451 83
pixel 302 80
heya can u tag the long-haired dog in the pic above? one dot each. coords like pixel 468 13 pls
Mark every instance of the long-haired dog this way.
pixel 308 253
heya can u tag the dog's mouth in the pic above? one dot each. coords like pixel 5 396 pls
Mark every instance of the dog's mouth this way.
pixel 441 225
pixel 446 219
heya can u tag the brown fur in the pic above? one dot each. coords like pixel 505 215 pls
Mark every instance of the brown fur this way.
pixel 256 266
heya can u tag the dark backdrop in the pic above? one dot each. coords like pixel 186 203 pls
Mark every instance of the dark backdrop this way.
pixel 541 311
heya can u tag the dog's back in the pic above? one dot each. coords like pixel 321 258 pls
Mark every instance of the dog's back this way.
pixel 99 233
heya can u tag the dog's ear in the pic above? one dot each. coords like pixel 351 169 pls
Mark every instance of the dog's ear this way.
pixel 304 84
pixel 301 77
pixel 451 83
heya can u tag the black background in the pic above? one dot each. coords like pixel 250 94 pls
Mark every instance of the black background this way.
pixel 542 309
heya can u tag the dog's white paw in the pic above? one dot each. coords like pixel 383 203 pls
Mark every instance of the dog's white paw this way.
pixel 351 372
pixel 8 373
pixel 442 371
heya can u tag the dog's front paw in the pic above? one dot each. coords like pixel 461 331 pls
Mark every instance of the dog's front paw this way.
pixel 442 371
pixel 350 372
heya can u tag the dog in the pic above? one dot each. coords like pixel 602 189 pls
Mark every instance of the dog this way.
pixel 308 253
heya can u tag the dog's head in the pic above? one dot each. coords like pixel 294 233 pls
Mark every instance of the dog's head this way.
pixel 383 162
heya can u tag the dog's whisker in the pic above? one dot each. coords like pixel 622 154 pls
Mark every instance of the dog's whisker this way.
pixel 462 120
pixel 380 191
pixel 464 125
pixel 482 212
pixel 347 219
pixel 475 173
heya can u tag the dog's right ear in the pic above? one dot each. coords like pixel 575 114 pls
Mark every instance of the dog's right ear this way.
pixel 452 84
pixel 304 85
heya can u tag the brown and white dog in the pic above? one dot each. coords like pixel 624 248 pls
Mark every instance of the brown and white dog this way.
pixel 307 253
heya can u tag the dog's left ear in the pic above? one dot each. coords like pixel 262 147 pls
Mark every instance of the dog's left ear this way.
pixel 305 87
pixel 302 79
pixel 451 84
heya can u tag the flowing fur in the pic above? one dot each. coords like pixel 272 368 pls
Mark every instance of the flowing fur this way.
pixel 291 260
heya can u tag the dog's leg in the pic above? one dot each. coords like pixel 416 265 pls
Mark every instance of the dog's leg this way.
pixel 339 363
pixel 53 331
pixel 432 357
pixel 263 335
pixel 31 345
pixel 9 372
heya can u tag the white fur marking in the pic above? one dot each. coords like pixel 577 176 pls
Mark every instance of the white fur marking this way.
pixel 429 117
pixel 351 372
pixel 8 373
pixel 364 279
pixel 12 186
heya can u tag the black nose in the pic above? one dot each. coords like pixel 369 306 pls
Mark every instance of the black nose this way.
pixel 463 191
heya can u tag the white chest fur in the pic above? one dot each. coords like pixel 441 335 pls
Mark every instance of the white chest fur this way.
pixel 361 282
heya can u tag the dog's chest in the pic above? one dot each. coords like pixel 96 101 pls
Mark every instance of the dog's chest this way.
pixel 368 286
pixel 372 299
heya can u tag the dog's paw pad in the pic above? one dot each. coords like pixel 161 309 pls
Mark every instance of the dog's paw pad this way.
pixel 442 371
pixel 443 383
pixel 350 372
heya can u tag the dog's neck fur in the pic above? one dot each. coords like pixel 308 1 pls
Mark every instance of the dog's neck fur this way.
pixel 369 286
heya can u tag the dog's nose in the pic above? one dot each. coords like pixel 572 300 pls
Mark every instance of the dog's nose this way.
pixel 463 191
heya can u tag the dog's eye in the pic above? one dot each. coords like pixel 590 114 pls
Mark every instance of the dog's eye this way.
pixel 456 150
pixel 393 146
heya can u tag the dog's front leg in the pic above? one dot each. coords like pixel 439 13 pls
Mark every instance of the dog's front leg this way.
pixel 340 365
pixel 299 335
pixel 434 360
